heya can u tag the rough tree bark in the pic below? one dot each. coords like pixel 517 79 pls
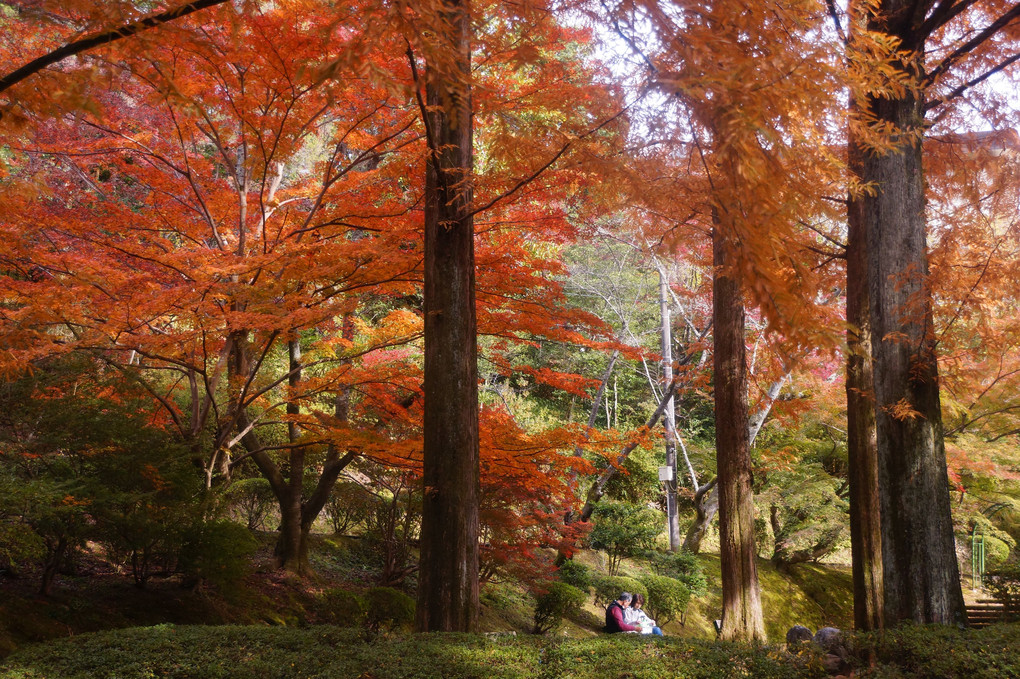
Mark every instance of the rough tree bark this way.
pixel 865 524
pixel 742 613
pixel 448 579
pixel 920 574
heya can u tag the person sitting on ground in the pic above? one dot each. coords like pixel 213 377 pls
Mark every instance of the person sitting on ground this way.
pixel 634 615
pixel 614 614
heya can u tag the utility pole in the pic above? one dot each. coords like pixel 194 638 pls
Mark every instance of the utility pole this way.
pixel 669 415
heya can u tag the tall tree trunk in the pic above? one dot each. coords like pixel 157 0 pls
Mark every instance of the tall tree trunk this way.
pixel 742 613
pixel 865 524
pixel 291 551
pixel 920 574
pixel 669 416
pixel 448 579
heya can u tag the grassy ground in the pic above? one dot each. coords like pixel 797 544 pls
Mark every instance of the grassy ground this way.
pixel 322 652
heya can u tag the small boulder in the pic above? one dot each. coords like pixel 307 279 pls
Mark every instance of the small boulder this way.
pixel 830 640
pixel 797 635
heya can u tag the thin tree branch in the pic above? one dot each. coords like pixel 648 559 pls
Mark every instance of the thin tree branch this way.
pixel 943 14
pixel 106 37
pixel 972 44
pixel 534 175
pixel 960 89
pixel 834 13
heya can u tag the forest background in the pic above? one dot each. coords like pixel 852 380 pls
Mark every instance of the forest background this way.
pixel 220 229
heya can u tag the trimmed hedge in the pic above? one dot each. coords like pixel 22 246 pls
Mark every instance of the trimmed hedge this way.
pixel 558 600
pixel 667 598
pixel 575 574
pixel 937 652
pixel 608 587
pixel 388 609
pixel 328 652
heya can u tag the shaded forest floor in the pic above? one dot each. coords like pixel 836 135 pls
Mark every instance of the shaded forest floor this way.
pixel 271 627
pixel 95 596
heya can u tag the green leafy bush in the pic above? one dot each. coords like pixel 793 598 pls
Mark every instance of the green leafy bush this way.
pixel 251 500
pixel 608 587
pixel 86 464
pixel 389 609
pixel 681 565
pixel 623 530
pixel 341 608
pixel 575 574
pixel 217 552
pixel 996 550
pixel 999 544
pixel 187 652
pixel 349 505
pixel 667 598
pixel 1004 582
pixel 558 600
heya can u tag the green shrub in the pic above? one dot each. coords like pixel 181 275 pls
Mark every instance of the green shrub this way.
pixel 389 609
pixel 1004 582
pixel 558 600
pixel 667 598
pixel 341 608
pixel 622 530
pixel 575 574
pixel 187 652
pixel 349 505
pixel 996 550
pixel 999 544
pixel 681 565
pixel 252 501
pixel 217 552
pixel 608 587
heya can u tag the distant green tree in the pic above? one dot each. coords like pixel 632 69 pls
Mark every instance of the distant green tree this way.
pixel 623 530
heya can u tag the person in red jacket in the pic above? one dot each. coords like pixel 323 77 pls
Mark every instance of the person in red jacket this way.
pixel 614 615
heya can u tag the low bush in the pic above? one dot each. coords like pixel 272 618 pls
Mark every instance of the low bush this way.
pixel 318 652
pixel 217 552
pixel 251 500
pixel 608 587
pixel 1004 583
pixel 667 598
pixel 681 565
pixel 576 574
pixel 388 609
pixel 341 608
pixel 558 599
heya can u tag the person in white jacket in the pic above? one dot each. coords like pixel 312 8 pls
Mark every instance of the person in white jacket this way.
pixel 634 615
